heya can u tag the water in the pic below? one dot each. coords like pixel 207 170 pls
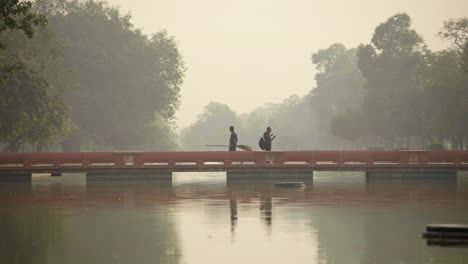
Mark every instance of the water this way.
pixel 201 218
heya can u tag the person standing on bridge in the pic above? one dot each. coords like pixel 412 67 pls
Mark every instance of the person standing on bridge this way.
pixel 232 139
pixel 268 137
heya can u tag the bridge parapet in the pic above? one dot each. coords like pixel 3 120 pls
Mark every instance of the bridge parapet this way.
pixel 225 159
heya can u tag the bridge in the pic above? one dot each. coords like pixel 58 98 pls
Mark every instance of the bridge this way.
pixel 133 165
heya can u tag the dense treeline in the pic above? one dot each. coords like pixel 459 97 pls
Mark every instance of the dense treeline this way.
pixel 414 97
pixel 391 93
pixel 31 108
pixel 78 74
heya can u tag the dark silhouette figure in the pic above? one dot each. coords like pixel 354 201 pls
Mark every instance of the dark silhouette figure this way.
pixel 232 139
pixel 268 136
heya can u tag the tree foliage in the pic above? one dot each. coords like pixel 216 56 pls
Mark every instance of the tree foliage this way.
pixel 211 127
pixel 456 31
pixel 19 15
pixel 391 65
pixel 31 107
pixel 446 97
pixel 122 76
pixel 411 93
pixel 338 91
pixel 29 114
pixel 392 93
pixel 299 122
pixel 89 72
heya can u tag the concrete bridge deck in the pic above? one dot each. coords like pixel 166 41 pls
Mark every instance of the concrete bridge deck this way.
pixel 131 165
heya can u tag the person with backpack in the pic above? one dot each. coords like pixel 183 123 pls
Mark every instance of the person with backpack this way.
pixel 265 141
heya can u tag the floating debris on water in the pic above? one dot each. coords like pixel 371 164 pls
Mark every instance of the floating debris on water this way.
pixel 289 184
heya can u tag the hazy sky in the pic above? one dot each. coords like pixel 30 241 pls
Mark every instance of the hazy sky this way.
pixel 245 53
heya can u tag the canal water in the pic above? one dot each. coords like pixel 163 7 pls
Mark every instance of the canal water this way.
pixel 201 218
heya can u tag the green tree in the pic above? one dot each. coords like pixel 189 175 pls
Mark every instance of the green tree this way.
pixel 348 125
pixel 31 107
pixel 339 90
pixel 160 135
pixel 19 15
pixel 29 114
pixel 287 119
pixel 456 31
pixel 445 99
pixel 211 127
pixel 300 122
pixel 392 66
pixel 411 93
pixel 122 76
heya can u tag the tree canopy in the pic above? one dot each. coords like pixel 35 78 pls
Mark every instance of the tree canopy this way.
pixel 19 15
pixel 78 73
pixel 122 76
pixel 31 108
pixel 391 93
pixel 92 73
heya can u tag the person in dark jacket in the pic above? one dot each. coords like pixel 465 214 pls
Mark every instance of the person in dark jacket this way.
pixel 232 139
pixel 268 136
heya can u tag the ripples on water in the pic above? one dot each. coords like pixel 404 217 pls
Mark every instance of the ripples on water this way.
pixel 201 218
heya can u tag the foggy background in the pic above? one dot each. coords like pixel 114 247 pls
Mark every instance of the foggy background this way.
pixel 94 75
pixel 247 53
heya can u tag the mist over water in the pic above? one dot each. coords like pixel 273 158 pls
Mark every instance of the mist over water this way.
pixel 142 75
pixel 118 79
pixel 248 53
pixel 201 218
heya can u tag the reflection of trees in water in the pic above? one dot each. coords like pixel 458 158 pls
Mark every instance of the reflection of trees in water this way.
pixel 29 234
pixel 387 233
pixel 340 233
pixel 133 223
pixel 124 232
pixel 108 223
pixel 111 236
pixel 379 222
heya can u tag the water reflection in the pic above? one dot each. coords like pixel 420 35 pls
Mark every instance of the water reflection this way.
pixel 332 220
pixel 247 190
pixel 92 223
pixel 124 222
pixel 28 234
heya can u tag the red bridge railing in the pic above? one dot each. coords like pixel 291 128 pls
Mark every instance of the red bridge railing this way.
pixel 224 159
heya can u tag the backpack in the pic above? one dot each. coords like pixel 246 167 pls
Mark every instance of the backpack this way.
pixel 262 143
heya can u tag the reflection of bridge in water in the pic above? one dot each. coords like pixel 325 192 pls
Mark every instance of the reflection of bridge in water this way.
pixel 339 213
pixel 263 192
pixel 110 166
